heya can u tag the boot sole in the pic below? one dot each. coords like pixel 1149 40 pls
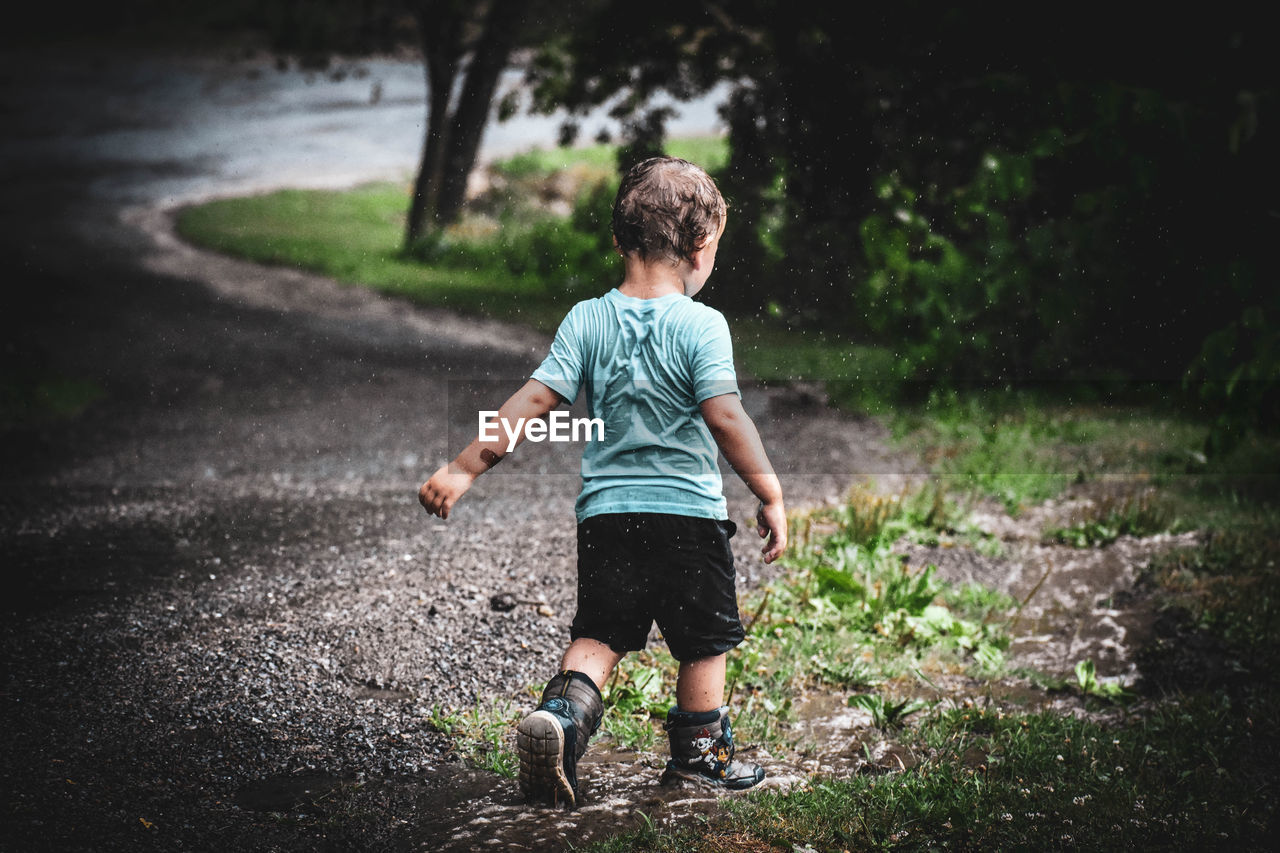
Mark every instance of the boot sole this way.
pixel 673 775
pixel 540 745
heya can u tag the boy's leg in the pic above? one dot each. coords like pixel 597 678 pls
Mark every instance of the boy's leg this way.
pixel 593 658
pixel 552 738
pixel 613 613
pixel 700 684
pixel 701 736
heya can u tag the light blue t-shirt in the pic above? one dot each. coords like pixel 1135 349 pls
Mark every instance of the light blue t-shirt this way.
pixel 645 365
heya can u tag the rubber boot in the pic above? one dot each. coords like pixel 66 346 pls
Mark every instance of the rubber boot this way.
pixel 552 738
pixel 702 751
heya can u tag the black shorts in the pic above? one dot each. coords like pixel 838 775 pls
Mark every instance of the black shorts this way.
pixel 636 568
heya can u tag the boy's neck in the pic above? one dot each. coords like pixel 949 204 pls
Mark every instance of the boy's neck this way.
pixel 651 279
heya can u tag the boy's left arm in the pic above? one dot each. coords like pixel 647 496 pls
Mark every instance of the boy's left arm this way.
pixel 739 440
pixel 448 484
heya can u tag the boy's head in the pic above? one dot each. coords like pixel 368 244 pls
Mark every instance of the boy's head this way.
pixel 666 208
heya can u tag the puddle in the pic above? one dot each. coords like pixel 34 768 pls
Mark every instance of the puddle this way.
pixel 303 792
pixel 1076 603
pixel 1080 604
pixel 620 790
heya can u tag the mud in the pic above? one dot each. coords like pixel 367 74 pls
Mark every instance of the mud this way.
pixel 227 622
pixel 1072 603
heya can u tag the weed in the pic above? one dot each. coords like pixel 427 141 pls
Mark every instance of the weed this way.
pixel 849 613
pixel 636 695
pixel 1107 519
pixel 1087 680
pixel 481 736
pixel 884 714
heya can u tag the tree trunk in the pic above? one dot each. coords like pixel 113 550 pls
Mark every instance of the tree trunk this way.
pixel 489 60
pixel 440 33
pixel 426 187
pixel 455 126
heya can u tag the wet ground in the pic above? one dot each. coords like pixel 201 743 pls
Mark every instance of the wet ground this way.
pixel 227 622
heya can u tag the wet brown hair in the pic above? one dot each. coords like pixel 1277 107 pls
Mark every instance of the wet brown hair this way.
pixel 666 208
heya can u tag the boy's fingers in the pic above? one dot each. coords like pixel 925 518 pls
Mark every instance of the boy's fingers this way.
pixel 433 500
pixel 776 545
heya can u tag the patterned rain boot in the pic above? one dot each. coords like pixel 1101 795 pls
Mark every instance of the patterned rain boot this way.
pixel 702 751
pixel 552 739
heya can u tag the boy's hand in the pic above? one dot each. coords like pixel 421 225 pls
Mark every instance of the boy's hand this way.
pixel 442 491
pixel 771 521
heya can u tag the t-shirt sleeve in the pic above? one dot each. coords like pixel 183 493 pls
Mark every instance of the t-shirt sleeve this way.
pixel 561 370
pixel 713 372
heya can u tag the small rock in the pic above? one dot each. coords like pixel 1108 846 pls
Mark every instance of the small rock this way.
pixel 503 602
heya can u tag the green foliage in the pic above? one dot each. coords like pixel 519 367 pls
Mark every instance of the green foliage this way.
pixel 570 256
pixel 886 714
pixel 481 735
pixel 850 613
pixel 639 693
pixel 1237 374
pixel 1008 455
pixel 1196 774
pixel 940 300
pixel 1038 782
pixel 1140 513
pixel 355 236
pixel 1087 680
pixel 1227 589
pixel 567 256
pixel 1021 448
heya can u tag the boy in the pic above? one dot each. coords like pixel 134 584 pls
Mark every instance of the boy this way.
pixel 653 531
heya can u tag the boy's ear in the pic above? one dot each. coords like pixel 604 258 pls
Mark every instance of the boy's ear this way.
pixel 695 259
pixel 614 237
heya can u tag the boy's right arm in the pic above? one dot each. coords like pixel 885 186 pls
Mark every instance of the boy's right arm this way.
pixel 740 443
pixel 448 484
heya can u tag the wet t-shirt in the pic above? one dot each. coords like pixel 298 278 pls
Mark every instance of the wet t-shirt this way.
pixel 645 365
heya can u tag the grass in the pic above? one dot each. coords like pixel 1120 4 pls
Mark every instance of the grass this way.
pixel 1140 513
pixel 355 237
pixel 1023 448
pixel 481 735
pixel 994 781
